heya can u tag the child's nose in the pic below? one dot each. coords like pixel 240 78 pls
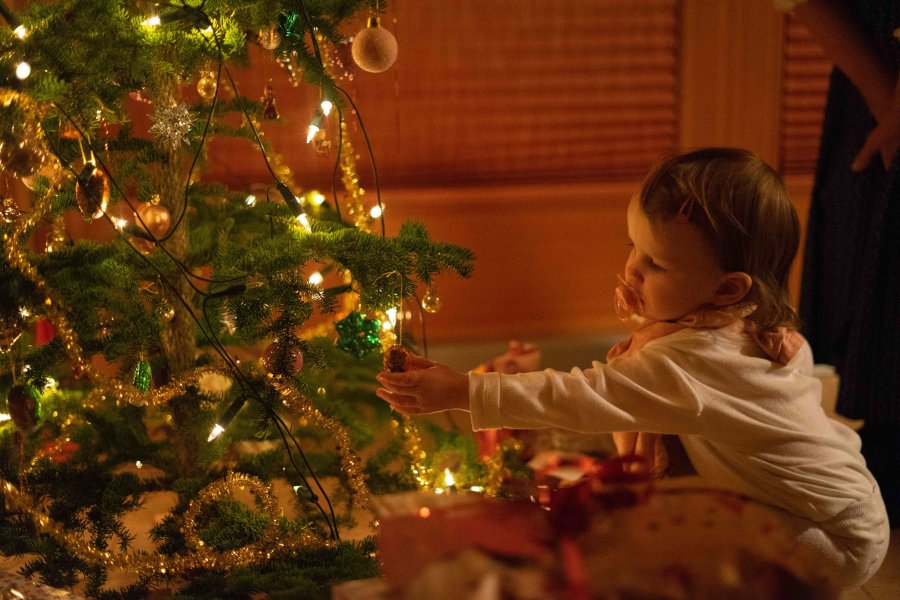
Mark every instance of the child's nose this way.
pixel 632 273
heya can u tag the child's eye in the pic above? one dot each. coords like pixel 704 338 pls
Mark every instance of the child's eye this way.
pixel 653 266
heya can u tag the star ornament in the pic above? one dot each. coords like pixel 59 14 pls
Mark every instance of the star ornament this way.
pixel 171 125
pixel 358 334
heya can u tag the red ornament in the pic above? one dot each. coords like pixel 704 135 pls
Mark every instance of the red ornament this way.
pixel 283 358
pixel 59 452
pixel 43 332
pixel 395 359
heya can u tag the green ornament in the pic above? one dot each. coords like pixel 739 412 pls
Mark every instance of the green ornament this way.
pixel 142 376
pixel 358 334
pixel 24 406
pixel 291 25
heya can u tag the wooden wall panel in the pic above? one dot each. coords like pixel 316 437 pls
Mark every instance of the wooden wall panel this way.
pixel 546 257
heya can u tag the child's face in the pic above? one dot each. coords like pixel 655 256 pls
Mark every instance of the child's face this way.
pixel 672 266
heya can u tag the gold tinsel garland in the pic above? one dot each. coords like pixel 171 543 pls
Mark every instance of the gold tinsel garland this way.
pixel 353 201
pixel 412 444
pixel 271 543
pixel 302 408
pixel 147 564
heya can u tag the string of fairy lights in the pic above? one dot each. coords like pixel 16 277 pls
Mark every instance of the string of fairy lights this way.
pixel 274 541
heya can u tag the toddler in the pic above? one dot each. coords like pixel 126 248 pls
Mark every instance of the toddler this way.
pixel 715 360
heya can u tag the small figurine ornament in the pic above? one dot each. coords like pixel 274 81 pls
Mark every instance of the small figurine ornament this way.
pixel 268 101
pixel 395 359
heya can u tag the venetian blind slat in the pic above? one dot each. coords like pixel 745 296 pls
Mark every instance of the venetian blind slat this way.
pixel 530 90
pixel 805 86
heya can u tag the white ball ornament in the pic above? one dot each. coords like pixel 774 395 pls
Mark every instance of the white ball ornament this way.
pixel 374 48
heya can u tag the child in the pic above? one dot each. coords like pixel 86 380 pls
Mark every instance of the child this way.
pixel 716 360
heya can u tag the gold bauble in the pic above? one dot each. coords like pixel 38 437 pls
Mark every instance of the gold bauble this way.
pixel 154 219
pixel 206 85
pixel 165 310
pixel 9 210
pixel 269 38
pixel 431 302
pixel 374 48
pixel 92 192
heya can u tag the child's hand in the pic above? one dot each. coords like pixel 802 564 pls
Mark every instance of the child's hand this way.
pixel 425 387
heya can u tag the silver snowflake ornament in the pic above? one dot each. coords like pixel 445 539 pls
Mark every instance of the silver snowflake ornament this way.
pixel 171 124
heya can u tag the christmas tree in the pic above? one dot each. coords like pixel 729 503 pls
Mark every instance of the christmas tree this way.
pixel 195 351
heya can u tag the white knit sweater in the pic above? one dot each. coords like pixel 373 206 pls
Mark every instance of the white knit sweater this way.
pixel 747 424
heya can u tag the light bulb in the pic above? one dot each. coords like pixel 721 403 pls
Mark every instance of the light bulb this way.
pixel 23 70
pixel 303 220
pixel 216 431
pixel 376 211
pixel 326 107
pixel 316 278
pixel 120 224
pixel 316 198
pixel 4 417
pixel 313 130
pixel 151 21
pixel 449 480
pixel 250 200
pixel 20 32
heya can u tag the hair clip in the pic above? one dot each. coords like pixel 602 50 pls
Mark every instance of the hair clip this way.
pixel 684 212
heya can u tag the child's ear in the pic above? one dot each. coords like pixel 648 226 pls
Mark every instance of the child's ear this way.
pixel 732 288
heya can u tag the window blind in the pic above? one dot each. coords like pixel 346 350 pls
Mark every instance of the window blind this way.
pixel 805 76
pixel 518 91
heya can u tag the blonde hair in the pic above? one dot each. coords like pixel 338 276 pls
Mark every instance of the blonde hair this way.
pixel 742 207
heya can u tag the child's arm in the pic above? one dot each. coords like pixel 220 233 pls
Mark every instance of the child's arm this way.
pixel 425 387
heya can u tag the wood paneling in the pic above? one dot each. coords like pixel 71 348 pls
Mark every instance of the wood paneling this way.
pixel 730 62
pixel 546 256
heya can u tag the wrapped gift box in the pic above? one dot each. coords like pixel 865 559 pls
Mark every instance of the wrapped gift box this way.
pixel 589 539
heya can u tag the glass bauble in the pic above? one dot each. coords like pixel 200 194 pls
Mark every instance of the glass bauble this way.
pixel 92 192
pixel 207 85
pixel 283 358
pixel 431 302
